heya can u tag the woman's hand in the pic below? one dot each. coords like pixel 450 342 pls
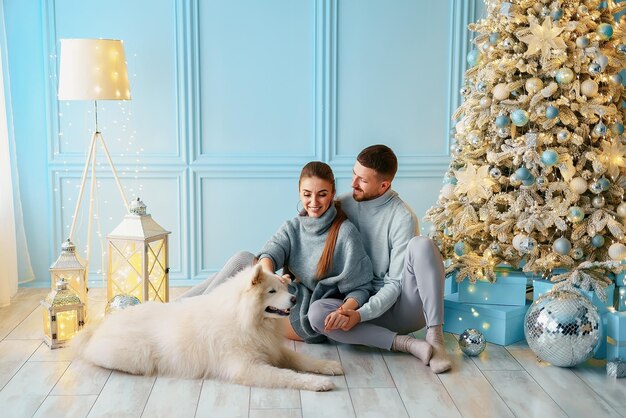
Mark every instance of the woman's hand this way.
pixel 335 320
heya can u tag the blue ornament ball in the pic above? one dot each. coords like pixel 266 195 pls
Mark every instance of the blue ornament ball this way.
pixel 617 128
pixel 605 184
pixel 460 248
pixel 604 31
pixel 556 14
pixel 523 173
pixel 594 68
pixel 621 49
pixel 597 241
pixel 502 121
pixel 582 42
pixel 564 75
pixel 529 181
pixel 473 57
pixel 575 214
pixel 562 246
pixel 552 112
pixel 549 157
pixel 519 117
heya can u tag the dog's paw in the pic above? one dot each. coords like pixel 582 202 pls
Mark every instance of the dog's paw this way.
pixel 320 384
pixel 331 368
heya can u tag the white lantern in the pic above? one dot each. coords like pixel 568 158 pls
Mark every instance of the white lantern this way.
pixel 72 269
pixel 63 315
pixel 138 257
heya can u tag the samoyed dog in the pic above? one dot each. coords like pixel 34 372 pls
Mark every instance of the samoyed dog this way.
pixel 233 334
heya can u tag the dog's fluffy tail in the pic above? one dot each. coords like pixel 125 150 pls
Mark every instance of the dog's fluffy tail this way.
pixel 80 340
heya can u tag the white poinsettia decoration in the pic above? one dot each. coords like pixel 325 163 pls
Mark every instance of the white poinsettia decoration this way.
pixel 544 38
pixel 475 184
pixel 614 152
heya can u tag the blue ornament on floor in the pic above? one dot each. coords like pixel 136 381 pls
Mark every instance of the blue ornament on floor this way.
pixel 552 112
pixel 502 121
pixel 549 157
pixel 519 117
pixel 563 328
pixel 472 342
pixel 604 31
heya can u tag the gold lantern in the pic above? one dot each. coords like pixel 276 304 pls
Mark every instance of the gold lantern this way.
pixel 72 269
pixel 138 257
pixel 63 315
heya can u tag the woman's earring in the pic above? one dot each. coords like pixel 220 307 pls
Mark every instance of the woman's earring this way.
pixel 298 209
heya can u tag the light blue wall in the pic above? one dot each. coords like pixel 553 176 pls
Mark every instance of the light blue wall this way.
pixel 230 99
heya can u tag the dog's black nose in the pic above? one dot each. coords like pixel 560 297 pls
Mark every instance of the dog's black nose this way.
pixel 293 300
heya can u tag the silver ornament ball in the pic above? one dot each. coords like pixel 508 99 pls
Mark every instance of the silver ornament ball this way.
pixel 119 302
pixel 562 327
pixel 598 202
pixel 495 173
pixel 472 342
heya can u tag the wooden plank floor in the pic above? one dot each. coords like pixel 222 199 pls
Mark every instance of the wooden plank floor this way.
pixel 502 382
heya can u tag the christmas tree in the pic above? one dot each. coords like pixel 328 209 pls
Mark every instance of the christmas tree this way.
pixel 538 166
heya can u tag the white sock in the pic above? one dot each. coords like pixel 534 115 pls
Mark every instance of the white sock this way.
pixel 439 362
pixel 418 348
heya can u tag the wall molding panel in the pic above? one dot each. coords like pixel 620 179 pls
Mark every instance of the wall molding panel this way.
pixel 232 97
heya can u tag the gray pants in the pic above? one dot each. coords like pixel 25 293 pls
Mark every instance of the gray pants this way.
pixel 420 303
pixel 233 266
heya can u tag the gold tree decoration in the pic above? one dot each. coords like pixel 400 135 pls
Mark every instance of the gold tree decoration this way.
pixel 538 165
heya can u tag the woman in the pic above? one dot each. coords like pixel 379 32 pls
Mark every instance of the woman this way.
pixel 322 250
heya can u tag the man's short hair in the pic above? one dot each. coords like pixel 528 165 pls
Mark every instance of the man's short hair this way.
pixel 381 159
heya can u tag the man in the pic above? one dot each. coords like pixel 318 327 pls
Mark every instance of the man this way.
pixel 408 270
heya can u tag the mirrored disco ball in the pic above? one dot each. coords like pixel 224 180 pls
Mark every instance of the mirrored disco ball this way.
pixel 472 342
pixel 562 327
pixel 119 302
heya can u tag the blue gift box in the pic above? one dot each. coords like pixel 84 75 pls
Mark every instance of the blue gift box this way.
pixel 616 336
pixel 450 285
pixel 541 287
pixel 508 289
pixel 500 324
pixel 620 278
pixel 600 351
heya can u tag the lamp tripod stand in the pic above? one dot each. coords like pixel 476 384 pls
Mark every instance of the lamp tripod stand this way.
pixel 91 162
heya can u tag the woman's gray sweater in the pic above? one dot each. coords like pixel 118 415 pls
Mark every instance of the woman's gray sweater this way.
pixel 298 245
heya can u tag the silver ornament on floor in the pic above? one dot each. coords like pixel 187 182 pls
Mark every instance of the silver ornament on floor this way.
pixel 562 327
pixel 472 342
pixel 119 302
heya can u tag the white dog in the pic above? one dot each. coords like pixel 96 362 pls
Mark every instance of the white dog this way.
pixel 233 333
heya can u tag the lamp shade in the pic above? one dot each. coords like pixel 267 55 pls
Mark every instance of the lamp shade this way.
pixel 93 69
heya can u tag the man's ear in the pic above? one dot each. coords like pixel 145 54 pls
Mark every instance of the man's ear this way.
pixel 257 274
pixel 385 185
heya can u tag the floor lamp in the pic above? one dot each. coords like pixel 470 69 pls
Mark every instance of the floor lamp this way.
pixel 93 69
